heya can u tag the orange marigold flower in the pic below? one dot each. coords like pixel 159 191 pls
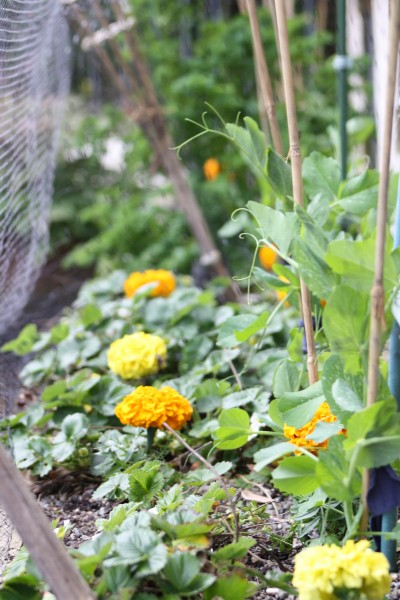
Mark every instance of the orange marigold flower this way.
pixel 298 437
pixel 322 303
pixel 137 355
pixel 268 257
pixel 166 282
pixel 148 407
pixel 211 169
pixel 280 294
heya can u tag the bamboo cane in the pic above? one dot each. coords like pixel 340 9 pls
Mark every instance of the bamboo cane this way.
pixel 295 153
pixel 267 94
pixel 377 291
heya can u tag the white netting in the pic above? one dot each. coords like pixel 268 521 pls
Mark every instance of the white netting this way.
pixel 34 79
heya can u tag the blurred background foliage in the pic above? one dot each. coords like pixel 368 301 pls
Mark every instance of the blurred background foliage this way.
pixel 112 207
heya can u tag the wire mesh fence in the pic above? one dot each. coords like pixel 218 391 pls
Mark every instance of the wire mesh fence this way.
pixel 34 80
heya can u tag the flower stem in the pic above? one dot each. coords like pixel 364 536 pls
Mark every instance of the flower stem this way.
pixel 209 466
pixel 151 432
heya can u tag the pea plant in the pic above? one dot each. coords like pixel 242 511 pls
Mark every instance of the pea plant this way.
pixel 181 526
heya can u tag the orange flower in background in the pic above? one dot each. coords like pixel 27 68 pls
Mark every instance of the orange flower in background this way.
pixel 148 407
pixel 298 436
pixel 322 303
pixel 166 282
pixel 211 169
pixel 268 257
pixel 280 294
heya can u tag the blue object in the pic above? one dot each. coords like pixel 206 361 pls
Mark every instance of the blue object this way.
pixel 384 493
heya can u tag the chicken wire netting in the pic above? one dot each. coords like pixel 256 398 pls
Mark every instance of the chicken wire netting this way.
pixel 34 80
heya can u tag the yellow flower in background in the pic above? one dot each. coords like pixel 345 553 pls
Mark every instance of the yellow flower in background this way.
pixel 321 570
pixel 268 257
pixel 137 355
pixel 211 169
pixel 148 407
pixel 166 282
pixel 298 437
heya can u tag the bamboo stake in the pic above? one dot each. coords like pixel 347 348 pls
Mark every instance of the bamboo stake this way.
pixel 377 291
pixel 295 153
pixel 267 94
pixel 47 551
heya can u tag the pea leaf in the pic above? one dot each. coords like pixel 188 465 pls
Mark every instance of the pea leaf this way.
pixel 234 429
pixel 296 475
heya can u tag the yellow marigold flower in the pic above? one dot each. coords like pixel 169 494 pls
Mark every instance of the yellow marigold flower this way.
pixel 148 407
pixel 321 570
pixel 165 280
pixel 137 355
pixel 211 169
pixel 298 437
pixel 268 257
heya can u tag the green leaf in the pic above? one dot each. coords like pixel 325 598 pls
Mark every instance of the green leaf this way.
pixel 257 138
pixel 345 326
pixel 241 398
pixel 355 260
pixel 321 175
pixel 278 174
pixel 90 315
pixel 266 456
pixel 298 408
pixel 319 209
pixel 144 485
pixel 16 590
pixel 54 390
pixel 359 194
pixel 58 333
pixel 24 342
pixel 280 228
pixel 345 399
pixel 313 269
pixel 332 472
pixel 183 575
pixel 234 551
pixel 286 378
pixel 231 587
pixel 75 426
pixel 271 280
pixel 296 475
pixel 234 429
pixel 227 336
pixel 323 431
pixel 252 144
pixel 140 549
pixel 275 414
pixel 374 434
pixel 258 325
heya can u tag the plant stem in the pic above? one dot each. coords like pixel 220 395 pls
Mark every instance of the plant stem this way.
pixel 263 76
pixel 151 433
pixel 213 470
pixel 295 154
